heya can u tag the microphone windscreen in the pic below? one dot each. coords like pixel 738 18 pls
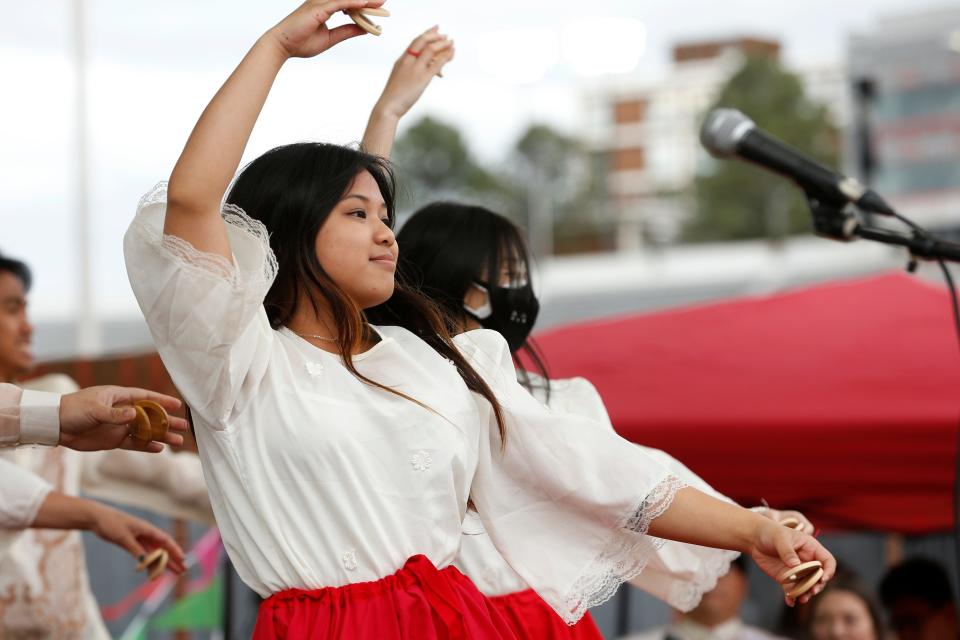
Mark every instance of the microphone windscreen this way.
pixel 722 131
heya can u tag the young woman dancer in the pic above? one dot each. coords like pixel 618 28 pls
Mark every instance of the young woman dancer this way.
pixel 343 431
pixel 448 251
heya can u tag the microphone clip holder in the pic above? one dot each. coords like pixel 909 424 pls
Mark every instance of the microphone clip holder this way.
pixel 833 219
pixel 838 221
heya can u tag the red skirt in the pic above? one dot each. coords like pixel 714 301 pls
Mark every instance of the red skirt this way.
pixel 417 602
pixel 530 617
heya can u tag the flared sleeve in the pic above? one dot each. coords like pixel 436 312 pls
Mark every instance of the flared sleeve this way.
pixel 678 573
pixel 567 503
pixel 205 313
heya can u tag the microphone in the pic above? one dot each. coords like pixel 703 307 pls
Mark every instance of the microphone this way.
pixel 727 133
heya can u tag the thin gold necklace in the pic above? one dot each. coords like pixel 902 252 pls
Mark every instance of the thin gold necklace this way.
pixel 313 335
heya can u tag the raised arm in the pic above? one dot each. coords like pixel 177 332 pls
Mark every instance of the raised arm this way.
pixel 415 68
pixel 214 148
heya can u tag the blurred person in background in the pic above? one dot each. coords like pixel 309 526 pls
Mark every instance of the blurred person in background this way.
pixel 44 586
pixel 919 600
pixel 846 610
pixel 717 617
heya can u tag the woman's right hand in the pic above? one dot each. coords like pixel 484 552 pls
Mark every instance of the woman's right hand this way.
pixel 423 60
pixel 417 66
pixel 304 33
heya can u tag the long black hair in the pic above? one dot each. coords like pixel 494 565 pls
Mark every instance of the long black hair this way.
pixel 445 247
pixel 292 190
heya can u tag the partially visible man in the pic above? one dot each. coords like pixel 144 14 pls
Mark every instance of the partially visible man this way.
pixel 44 586
pixel 87 420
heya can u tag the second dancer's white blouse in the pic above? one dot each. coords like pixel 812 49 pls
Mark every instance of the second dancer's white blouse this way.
pixel 676 573
pixel 317 479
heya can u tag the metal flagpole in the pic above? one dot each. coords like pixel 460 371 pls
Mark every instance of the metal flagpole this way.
pixel 88 330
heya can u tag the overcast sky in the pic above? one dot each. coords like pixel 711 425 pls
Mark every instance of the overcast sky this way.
pixel 153 66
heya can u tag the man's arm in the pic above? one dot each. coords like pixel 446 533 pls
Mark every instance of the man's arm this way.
pixel 87 420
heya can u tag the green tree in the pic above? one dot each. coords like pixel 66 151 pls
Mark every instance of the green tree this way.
pixel 433 161
pixel 557 186
pixel 738 201
pixel 548 183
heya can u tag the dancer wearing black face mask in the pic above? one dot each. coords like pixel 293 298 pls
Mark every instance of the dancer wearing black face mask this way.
pixel 474 263
pixel 511 310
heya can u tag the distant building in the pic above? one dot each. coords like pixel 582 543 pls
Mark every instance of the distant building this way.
pixel 913 63
pixel 648 134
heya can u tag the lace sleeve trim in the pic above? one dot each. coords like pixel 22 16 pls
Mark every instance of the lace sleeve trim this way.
pixel 625 557
pixel 211 264
pixel 687 594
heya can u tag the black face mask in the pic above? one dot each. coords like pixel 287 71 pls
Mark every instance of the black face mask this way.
pixel 510 311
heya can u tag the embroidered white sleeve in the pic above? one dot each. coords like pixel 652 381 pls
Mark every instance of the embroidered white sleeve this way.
pixel 210 263
pixel 624 558
pixel 205 312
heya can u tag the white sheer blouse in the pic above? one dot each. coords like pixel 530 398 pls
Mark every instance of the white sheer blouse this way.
pixel 677 573
pixel 317 479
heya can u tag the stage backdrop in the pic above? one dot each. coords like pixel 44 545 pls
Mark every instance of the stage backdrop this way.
pixel 842 400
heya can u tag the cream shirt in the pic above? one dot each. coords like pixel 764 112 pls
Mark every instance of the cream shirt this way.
pixel 25 417
pixel 28 416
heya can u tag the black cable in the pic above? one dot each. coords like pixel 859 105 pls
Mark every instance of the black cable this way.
pixel 913 225
pixel 953 297
pixel 923 233
pixel 956 473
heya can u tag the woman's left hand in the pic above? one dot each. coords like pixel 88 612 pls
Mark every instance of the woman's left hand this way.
pixel 778 548
pixel 780 516
pixel 423 59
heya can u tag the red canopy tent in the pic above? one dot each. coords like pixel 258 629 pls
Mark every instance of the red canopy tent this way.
pixel 842 400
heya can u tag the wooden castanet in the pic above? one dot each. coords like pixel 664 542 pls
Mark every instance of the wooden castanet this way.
pixel 154 563
pixel 151 422
pixel 798 580
pixel 360 17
